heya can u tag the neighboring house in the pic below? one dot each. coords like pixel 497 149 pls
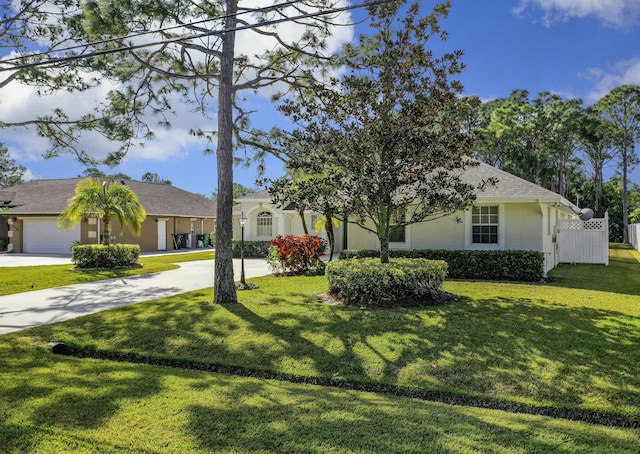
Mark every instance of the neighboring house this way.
pixel 34 208
pixel 513 214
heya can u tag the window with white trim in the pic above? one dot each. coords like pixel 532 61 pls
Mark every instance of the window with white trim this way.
pixel 399 234
pixel 264 224
pixel 484 225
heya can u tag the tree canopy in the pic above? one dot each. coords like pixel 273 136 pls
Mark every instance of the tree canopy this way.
pixel 388 133
pixel 41 38
pixel 10 173
pixel 621 107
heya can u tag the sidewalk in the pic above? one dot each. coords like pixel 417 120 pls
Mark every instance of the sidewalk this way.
pixel 41 307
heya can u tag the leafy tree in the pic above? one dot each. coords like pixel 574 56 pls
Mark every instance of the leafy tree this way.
pixel 285 191
pixel 596 142
pixel 95 172
pixel 154 178
pixel 316 192
pixel 239 191
pixel 199 63
pixel 105 199
pixel 613 204
pixel 388 133
pixel 539 137
pixel 489 148
pixel 10 173
pixel 621 107
pixel 515 123
pixel 562 120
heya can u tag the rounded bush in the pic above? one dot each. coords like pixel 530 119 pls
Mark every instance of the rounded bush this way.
pixel 401 282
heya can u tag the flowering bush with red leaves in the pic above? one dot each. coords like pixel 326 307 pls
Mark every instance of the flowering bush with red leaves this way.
pixel 297 253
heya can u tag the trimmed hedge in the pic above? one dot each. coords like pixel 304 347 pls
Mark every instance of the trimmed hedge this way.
pixel 504 265
pixel 401 282
pixel 100 256
pixel 251 248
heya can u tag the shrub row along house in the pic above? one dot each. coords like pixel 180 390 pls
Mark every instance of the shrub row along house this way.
pixel 514 214
pixel 31 219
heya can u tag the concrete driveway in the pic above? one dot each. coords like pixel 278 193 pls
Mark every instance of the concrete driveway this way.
pixel 41 307
pixel 10 259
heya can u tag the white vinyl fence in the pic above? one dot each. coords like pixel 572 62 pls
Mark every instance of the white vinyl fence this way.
pixel 583 241
pixel 634 236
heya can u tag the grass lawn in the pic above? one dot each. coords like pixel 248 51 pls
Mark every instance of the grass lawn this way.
pixel 26 278
pixel 570 346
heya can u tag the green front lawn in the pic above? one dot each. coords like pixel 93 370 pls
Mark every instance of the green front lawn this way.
pixel 570 346
pixel 26 278
pixel 53 404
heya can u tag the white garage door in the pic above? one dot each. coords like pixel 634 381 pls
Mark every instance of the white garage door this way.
pixel 42 236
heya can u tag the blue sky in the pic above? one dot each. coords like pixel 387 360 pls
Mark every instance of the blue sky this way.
pixel 576 48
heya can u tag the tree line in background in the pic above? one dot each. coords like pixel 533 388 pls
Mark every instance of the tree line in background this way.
pixel 566 147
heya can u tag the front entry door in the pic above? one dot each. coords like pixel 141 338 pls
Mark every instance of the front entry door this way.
pixel 162 235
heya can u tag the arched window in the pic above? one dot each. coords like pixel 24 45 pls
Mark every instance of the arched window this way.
pixel 264 224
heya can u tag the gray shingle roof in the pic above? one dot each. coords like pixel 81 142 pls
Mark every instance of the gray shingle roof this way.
pixel 508 186
pixel 51 196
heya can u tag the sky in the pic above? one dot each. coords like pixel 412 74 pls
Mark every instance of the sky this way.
pixel 574 48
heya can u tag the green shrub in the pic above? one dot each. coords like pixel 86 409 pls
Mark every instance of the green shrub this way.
pixel 251 248
pixel 274 261
pixel 101 256
pixel 401 282
pixel 317 269
pixel 506 265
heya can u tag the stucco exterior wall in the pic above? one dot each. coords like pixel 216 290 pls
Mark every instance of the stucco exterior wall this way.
pixel 443 233
pixel 148 240
pixel 523 226
pixel 15 236
pixel 92 229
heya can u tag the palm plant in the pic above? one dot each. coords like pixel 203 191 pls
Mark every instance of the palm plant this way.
pixel 104 199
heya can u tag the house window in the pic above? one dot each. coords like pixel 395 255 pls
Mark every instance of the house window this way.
pixel 264 224
pixel 484 225
pixel 398 234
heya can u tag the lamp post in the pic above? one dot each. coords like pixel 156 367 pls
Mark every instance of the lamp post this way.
pixel 243 222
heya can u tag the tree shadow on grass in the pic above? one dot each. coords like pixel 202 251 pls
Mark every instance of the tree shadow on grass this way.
pixel 101 406
pixel 514 349
pixel 287 418
pixel 522 349
pixel 64 397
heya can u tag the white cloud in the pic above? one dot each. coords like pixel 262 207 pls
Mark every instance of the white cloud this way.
pixel 622 73
pixel 614 13
pixel 22 103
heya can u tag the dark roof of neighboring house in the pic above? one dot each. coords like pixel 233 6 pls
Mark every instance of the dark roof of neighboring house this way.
pixel 51 196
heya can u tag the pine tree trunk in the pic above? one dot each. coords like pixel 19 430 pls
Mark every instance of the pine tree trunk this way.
pixel 625 202
pixel 224 284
